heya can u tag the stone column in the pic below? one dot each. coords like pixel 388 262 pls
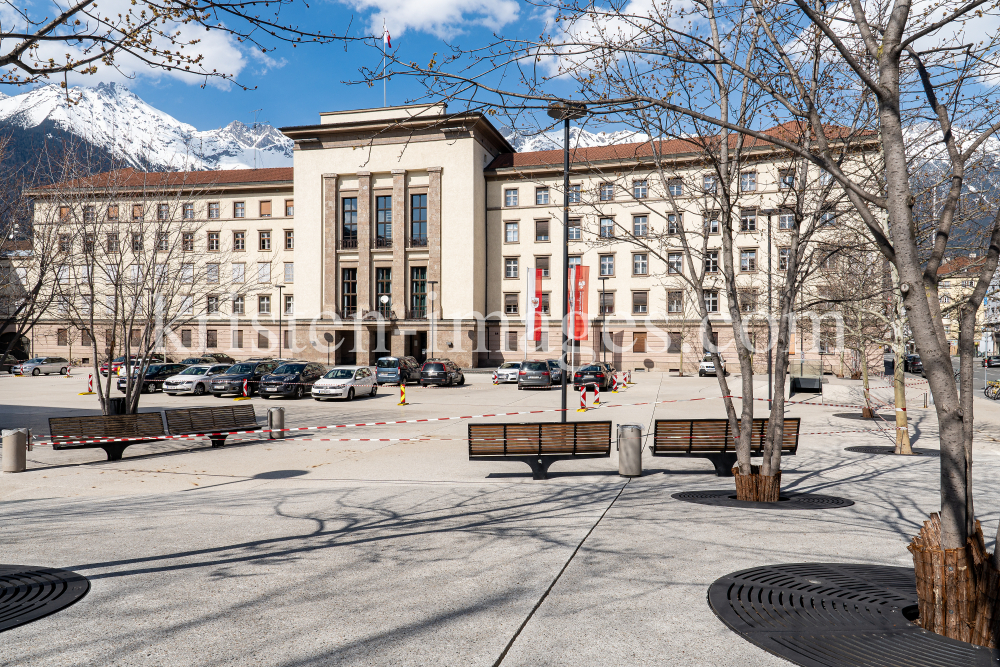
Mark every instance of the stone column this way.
pixel 434 236
pixel 364 242
pixel 399 243
pixel 330 243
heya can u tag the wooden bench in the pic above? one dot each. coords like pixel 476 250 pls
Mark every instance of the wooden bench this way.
pixel 213 420
pixel 539 445
pixel 144 427
pixel 713 440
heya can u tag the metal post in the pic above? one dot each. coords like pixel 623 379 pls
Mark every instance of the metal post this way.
pixel 565 262
pixel 431 296
pixel 604 349
pixel 281 305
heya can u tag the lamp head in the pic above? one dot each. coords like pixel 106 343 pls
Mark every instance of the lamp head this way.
pixel 567 110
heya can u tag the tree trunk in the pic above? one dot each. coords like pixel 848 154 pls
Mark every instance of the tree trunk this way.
pixel 902 423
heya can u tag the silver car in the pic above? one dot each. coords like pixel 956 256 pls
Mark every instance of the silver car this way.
pixel 346 382
pixel 40 365
pixel 508 371
pixel 193 379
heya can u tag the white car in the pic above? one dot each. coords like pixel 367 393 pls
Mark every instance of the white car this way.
pixel 508 371
pixel 707 366
pixel 346 382
pixel 193 379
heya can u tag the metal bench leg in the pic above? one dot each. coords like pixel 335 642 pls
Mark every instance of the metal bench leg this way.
pixel 114 452
pixel 723 463
pixel 219 442
pixel 539 467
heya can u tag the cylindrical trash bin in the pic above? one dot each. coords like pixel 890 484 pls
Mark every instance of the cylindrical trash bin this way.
pixel 630 450
pixel 890 366
pixel 276 420
pixel 15 445
pixel 116 405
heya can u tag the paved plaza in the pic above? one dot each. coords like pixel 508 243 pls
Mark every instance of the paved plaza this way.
pixel 314 551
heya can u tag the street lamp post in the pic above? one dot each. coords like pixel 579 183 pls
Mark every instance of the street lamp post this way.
pixel 770 380
pixel 604 349
pixel 431 296
pixel 565 111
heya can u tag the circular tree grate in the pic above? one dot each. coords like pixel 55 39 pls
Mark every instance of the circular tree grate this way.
pixel 788 501
pixel 874 449
pixel 834 615
pixel 28 593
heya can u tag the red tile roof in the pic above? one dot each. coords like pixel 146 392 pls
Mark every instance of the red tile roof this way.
pixel 960 263
pixel 130 178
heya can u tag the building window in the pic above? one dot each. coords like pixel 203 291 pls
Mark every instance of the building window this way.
pixel 239 209
pixel 88 243
pixel 711 301
pixel 545 303
pixel 510 267
pixel 712 222
pixel 187 273
pixel 607 303
pixel 186 337
pixel 137 213
pixel 289 272
pixel 213 241
pixel 264 304
pixel 383 287
pixel 639 342
pixel 265 209
pixel 543 264
pixel 349 292
pixel 64 243
pixel 263 340
pixel 748 301
pixel 712 261
pixel 510 232
pixel 289 304
pixel 289 208
pixel 541 196
pixel 574 231
pixel 510 197
pixel 639 303
pixel 263 272
pixel 212 305
pixel 607 265
pixel 786 179
pixel 574 260
pixel 213 210
pixel 607 228
pixel 640 225
pixel 640 190
pixel 786 220
pixel 187 242
pixel 112 213
pixel 238 339
pixel 675 302
pixel 828 218
pixel 418 291
pixel 675 187
pixel 748 260
pixel 748 181
pixel 187 211
pixel 418 220
pixel 163 212
pixel 211 338
pixel 239 273
pixel 349 233
pixel 383 221
pixel 675 263
pixel 541 230
pixel 212 273
pixel 607 192
pixel 264 241
pixel 512 341
pixel 289 239
pixel 510 304
pixel 673 224
pixel 640 264
pixel 187 305
pixel 112 242
pixel 748 220
pixel 62 337
pixel 710 184
pixel 574 194
pixel 239 241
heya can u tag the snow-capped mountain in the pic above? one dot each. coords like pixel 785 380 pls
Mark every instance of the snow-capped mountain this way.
pixel 118 123
pixel 578 138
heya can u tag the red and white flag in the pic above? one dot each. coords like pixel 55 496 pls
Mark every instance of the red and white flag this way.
pixel 579 279
pixel 534 322
pixel 386 39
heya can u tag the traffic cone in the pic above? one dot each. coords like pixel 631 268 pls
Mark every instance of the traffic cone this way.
pixel 90 386
pixel 246 392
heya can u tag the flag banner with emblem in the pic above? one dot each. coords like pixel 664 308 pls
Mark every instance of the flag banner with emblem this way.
pixel 579 279
pixel 533 324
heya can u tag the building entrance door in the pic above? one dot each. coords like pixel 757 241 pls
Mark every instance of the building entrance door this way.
pixel 345 354
pixel 416 344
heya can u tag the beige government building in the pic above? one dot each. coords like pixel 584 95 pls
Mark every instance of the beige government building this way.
pixel 411 231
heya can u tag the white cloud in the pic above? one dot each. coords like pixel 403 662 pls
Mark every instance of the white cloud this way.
pixel 441 18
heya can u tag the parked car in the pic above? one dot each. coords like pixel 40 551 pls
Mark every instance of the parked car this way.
pixel 913 364
pixel 231 382
pixel 292 378
pixel 598 373
pixel 508 371
pixel 155 376
pixel 534 374
pixel 991 361
pixel 118 362
pixel 221 357
pixel 556 370
pixel 190 361
pixel 707 366
pixel 397 370
pixel 40 365
pixel 441 371
pixel 346 382
pixel 193 379
pixel 8 362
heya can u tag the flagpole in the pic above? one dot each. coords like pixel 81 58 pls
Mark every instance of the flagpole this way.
pixel 384 102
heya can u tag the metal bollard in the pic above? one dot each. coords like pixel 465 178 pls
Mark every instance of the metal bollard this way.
pixel 15 444
pixel 630 450
pixel 276 420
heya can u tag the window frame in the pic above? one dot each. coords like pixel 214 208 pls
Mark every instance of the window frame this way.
pixel 640 308
pixel 511 263
pixel 748 259
pixel 640 189
pixel 606 191
pixel 539 226
pixel 541 196
pixel 507 227
pixel 510 198
pixel 637 258
pixel 602 261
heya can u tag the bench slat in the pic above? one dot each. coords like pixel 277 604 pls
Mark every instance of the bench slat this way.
pixel 712 435
pixel 211 419
pixel 541 439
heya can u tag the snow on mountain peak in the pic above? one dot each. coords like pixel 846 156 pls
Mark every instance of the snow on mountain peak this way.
pixel 578 138
pixel 113 118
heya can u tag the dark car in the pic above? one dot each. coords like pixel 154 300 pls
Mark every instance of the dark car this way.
pixel 231 382
pixel 534 374
pixel 441 371
pixel 912 364
pixel 598 373
pixel 293 379
pixel 134 360
pixel 221 357
pixel 556 370
pixel 8 362
pixel 991 361
pixel 154 377
pixel 191 361
pixel 397 370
